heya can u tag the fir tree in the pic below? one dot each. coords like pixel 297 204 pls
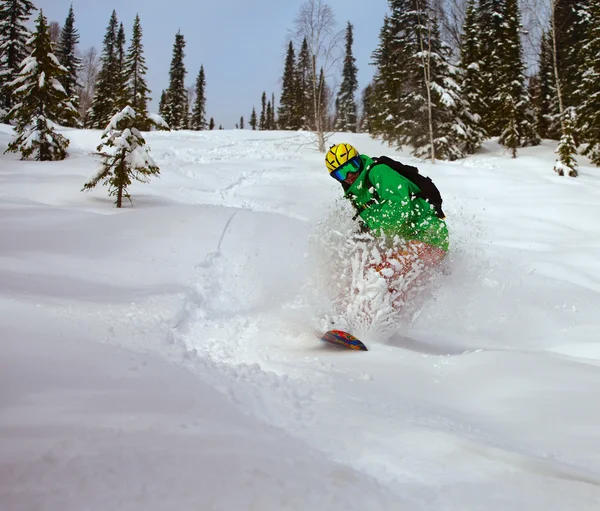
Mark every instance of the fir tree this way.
pixel 162 104
pixel 198 121
pixel 546 100
pixel 272 122
pixel 122 97
pixel 135 71
pixel 566 148
pixel 415 93
pixel 14 35
pixel 346 117
pixel 125 157
pixel 470 81
pixel 253 121
pixel 512 98
pixel 589 110
pixel 269 114
pixel 242 122
pixel 303 99
pixel 287 112
pixel 69 37
pixel 367 109
pixel 176 115
pixel 262 125
pixel 41 101
pixel 104 104
pixel 211 124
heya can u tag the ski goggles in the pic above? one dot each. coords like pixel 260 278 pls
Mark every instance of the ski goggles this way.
pixel 341 173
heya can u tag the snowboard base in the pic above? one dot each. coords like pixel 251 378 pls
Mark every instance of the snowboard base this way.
pixel 343 340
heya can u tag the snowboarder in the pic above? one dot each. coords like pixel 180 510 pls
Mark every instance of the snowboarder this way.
pixel 388 203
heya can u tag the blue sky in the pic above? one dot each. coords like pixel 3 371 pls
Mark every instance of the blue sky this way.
pixel 241 44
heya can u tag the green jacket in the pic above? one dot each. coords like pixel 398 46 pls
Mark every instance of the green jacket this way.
pixel 397 212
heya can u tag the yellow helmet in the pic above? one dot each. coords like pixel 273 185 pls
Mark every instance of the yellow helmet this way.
pixel 338 155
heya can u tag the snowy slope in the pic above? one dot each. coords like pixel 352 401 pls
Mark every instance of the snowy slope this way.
pixel 163 356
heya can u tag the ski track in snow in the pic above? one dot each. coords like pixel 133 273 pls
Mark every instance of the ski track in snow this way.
pixel 484 400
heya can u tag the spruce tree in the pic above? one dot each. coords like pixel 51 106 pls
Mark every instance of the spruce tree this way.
pixel 346 116
pixel 253 121
pixel 262 125
pixel 135 71
pixel 304 82
pixel 41 101
pixel 566 148
pixel 14 35
pixel 546 100
pixel 415 93
pixel 67 56
pixel 122 98
pixel 211 124
pixel 287 112
pixel 272 121
pixel 175 112
pixel 367 109
pixel 269 114
pixel 105 102
pixel 162 104
pixel 198 121
pixel 470 82
pixel 125 157
pixel 589 109
pixel 512 98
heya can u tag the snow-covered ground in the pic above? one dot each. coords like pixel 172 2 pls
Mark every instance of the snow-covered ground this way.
pixel 163 356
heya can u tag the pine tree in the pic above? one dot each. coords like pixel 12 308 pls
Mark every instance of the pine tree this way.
pixel 415 93
pixel 287 112
pixel 367 109
pixel 253 121
pixel 41 101
pixel 512 98
pixel 104 104
pixel 162 104
pixel 566 148
pixel 589 110
pixel 176 115
pixel 262 125
pixel 546 101
pixel 69 37
pixel 135 71
pixel 14 35
pixel 303 100
pixel 211 124
pixel 198 121
pixel 122 97
pixel 125 157
pixel 269 114
pixel 323 101
pixel 242 122
pixel 272 122
pixel 346 117
pixel 470 82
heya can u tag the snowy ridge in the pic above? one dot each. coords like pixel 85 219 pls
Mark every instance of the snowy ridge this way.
pixel 163 356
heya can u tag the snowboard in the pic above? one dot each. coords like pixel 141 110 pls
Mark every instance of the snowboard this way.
pixel 342 339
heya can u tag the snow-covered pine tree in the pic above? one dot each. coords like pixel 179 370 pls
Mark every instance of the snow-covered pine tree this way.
pixel 546 101
pixel 470 81
pixel 566 147
pixel 262 124
pixel 41 101
pixel 122 90
pixel 346 115
pixel 198 120
pixel 14 35
pixel 512 97
pixel 162 104
pixel 414 90
pixel 175 112
pixel 125 157
pixel 67 56
pixel 589 109
pixel 288 111
pixel 367 109
pixel 135 71
pixel 571 22
pixel 104 104
pixel 253 121
pixel 303 101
